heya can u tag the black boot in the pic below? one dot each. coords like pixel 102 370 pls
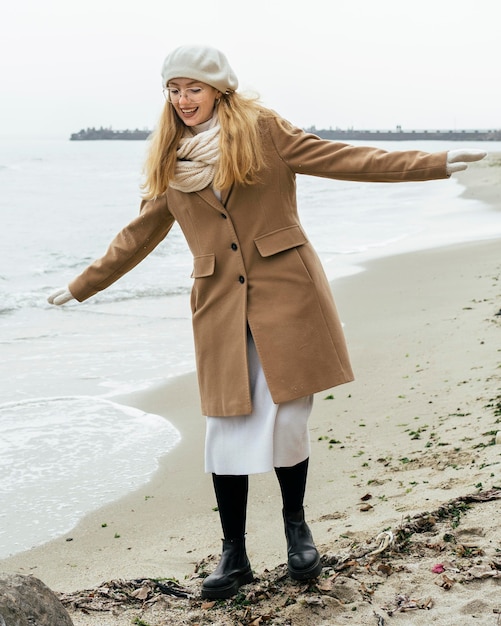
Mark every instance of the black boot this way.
pixel 303 557
pixel 232 572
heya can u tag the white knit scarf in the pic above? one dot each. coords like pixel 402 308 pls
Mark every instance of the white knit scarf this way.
pixel 197 156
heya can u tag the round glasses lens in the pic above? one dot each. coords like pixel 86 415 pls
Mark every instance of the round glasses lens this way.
pixel 194 94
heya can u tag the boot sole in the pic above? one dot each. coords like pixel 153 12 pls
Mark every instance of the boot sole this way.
pixel 306 574
pixel 221 593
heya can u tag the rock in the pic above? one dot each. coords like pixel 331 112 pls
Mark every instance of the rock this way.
pixel 26 601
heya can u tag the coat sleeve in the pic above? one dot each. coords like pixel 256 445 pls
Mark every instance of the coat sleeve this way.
pixel 306 153
pixel 130 246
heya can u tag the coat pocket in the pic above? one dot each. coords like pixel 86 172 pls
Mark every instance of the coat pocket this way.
pixel 203 265
pixel 280 240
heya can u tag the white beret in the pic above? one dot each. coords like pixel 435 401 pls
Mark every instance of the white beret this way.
pixel 202 63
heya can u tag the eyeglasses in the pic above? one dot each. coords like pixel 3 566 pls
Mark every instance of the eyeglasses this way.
pixel 194 94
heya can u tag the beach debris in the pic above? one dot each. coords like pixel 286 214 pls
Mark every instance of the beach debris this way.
pixel 366 506
pixel 349 577
pixel 423 522
pixel 444 581
pixel 310 600
pixel 385 569
pixel 386 539
pixel 463 549
pixel 123 593
pixel 332 516
pixel 142 593
pixel 403 604
pixel 479 572
pixel 249 619
pixel 327 584
pixel 352 559
pixel 380 619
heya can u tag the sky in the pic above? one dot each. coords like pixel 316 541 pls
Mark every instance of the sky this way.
pixel 364 64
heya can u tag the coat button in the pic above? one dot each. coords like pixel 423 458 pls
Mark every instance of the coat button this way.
pixel 241 279
pixel 234 246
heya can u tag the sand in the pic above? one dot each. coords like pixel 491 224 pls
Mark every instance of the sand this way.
pixel 415 431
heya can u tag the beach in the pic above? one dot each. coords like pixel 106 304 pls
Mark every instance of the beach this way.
pixel 414 431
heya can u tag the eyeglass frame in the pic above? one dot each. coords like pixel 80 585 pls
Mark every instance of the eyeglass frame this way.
pixel 167 91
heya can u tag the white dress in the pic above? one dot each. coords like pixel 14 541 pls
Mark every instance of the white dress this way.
pixel 273 435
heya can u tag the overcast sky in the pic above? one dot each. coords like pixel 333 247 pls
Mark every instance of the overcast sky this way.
pixel 433 64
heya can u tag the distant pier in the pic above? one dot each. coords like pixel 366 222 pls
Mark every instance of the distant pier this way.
pixel 96 134
pixel 406 135
pixel 337 134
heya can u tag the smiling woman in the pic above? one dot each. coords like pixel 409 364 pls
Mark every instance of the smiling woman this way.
pixel 195 92
pixel 193 101
pixel 267 333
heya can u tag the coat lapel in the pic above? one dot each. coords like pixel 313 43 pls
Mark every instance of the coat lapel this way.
pixel 209 196
pixel 225 195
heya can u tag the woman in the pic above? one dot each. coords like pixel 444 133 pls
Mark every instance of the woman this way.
pixel 267 334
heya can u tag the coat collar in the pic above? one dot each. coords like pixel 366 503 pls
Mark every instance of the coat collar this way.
pixel 208 195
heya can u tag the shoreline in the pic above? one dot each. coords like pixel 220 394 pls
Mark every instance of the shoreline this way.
pixel 434 378
pixel 424 339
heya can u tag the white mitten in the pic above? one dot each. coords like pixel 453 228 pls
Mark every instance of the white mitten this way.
pixel 458 160
pixel 61 296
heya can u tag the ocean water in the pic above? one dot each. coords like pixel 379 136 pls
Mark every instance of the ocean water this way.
pixel 61 431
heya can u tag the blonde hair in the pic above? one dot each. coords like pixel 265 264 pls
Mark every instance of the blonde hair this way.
pixel 241 151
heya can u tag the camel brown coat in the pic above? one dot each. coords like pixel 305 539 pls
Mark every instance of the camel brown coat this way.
pixel 253 265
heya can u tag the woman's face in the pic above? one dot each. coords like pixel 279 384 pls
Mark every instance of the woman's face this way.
pixel 193 100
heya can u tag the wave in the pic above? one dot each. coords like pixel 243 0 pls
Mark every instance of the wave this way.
pixel 12 302
pixel 62 457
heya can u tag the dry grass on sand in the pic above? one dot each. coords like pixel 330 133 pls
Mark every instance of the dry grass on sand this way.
pixel 436 558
